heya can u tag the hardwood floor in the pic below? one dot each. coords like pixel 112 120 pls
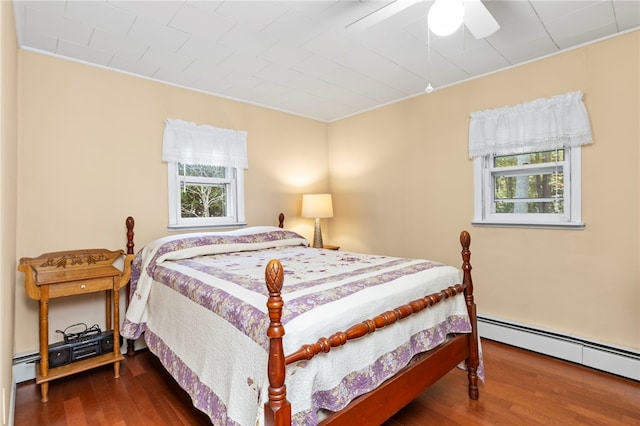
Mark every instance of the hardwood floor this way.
pixel 522 388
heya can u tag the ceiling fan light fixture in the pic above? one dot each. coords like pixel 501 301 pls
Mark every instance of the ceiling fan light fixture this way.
pixel 445 17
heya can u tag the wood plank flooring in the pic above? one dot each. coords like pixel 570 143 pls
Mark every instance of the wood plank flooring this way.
pixel 522 388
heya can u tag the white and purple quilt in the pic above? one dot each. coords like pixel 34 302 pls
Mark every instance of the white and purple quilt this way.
pixel 200 300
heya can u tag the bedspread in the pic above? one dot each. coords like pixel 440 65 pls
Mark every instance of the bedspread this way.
pixel 200 300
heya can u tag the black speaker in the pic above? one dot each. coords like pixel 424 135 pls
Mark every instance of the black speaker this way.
pixel 107 343
pixel 59 356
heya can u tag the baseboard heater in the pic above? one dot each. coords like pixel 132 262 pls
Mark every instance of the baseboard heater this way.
pixel 24 366
pixel 616 360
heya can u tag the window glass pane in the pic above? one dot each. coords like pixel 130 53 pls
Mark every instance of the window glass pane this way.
pixel 201 170
pixel 530 206
pixel 539 193
pixel 544 185
pixel 530 158
pixel 203 200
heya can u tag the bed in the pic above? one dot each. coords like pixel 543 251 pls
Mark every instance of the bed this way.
pixel 365 334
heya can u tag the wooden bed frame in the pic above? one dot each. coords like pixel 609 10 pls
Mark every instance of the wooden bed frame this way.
pixel 379 405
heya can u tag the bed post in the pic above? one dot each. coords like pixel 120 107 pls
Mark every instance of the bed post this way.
pixel 277 411
pixel 130 223
pixel 473 361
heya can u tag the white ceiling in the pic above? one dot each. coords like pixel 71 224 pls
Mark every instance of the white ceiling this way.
pixel 297 56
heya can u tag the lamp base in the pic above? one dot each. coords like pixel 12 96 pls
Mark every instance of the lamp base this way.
pixel 317 235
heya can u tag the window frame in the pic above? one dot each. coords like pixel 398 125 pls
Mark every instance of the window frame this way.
pixel 235 201
pixel 484 196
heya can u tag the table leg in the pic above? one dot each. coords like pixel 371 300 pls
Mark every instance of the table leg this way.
pixel 44 346
pixel 116 331
pixel 44 391
pixel 108 309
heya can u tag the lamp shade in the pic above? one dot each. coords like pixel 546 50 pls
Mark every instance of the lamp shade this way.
pixel 317 205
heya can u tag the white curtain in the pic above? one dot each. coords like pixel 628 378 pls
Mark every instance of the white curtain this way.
pixel 539 125
pixel 186 142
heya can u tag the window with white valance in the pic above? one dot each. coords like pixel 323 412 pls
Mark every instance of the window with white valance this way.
pixel 186 142
pixel 540 125
pixel 205 174
pixel 527 162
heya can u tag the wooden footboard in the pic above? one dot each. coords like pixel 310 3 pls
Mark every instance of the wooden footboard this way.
pixel 377 406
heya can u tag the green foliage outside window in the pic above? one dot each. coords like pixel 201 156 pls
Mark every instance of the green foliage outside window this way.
pixel 203 190
pixel 522 192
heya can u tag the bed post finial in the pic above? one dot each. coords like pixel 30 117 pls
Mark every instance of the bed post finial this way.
pixel 274 276
pixel 474 358
pixel 277 411
pixel 281 220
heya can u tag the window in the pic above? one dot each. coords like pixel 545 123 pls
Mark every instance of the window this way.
pixel 205 196
pixel 539 188
pixel 527 163
pixel 205 175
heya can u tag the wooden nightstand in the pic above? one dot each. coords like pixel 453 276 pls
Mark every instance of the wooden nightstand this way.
pixel 330 247
pixel 67 273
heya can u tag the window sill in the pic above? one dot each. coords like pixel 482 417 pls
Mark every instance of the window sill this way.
pixel 565 225
pixel 201 227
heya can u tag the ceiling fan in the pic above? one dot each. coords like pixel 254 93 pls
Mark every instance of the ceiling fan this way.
pixel 473 13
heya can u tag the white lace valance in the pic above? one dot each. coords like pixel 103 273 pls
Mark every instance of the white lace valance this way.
pixel 185 142
pixel 543 124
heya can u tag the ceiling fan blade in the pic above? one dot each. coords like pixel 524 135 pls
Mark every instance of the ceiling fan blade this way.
pixel 478 19
pixel 381 14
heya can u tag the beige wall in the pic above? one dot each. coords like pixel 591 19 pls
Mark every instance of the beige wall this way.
pixel 403 185
pixel 90 155
pixel 8 196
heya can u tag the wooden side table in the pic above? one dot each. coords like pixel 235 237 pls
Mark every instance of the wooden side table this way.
pixel 67 273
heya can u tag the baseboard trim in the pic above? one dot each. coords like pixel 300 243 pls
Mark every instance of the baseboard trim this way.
pixel 620 361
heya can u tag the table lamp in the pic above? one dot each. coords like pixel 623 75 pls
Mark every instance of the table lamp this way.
pixel 317 206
